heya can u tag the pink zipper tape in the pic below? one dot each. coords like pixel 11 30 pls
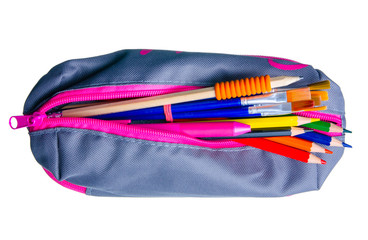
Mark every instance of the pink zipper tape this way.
pixel 328 117
pixel 322 116
pixel 110 93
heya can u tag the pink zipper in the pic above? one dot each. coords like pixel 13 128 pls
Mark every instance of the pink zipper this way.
pixel 327 117
pixel 39 120
pixel 109 93
pixel 91 94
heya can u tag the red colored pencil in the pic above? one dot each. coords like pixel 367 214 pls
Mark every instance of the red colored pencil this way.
pixel 280 149
pixel 299 143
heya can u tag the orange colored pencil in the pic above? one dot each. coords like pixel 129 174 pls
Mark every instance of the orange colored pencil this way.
pixel 280 149
pixel 299 143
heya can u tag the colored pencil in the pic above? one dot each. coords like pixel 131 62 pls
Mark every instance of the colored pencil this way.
pixel 271 122
pixel 220 91
pixel 268 132
pixel 202 129
pixel 324 126
pixel 323 139
pixel 281 149
pixel 299 143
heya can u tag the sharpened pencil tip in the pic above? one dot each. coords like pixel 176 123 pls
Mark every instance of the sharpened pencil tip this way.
pixel 323 161
pixel 346 145
pixel 347 131
pixel 328 151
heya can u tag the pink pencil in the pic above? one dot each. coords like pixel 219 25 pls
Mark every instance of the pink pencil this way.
pixel 202 129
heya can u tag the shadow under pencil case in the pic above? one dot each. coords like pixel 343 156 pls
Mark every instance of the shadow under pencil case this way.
pixel 107 158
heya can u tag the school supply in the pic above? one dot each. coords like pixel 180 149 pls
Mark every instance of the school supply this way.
pixel 236 112
pixel 299 143
pixel 323 139
pixel 324 126
pixel 270 122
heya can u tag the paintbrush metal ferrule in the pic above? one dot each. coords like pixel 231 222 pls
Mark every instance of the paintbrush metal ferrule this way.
pixel 271 98
pixel 277 109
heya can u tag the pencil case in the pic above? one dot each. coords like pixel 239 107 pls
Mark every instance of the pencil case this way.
pixel 110 158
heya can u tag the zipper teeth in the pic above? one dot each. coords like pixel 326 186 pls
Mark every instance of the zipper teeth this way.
pixel 57 101
pixel 323 116
pixel 131 129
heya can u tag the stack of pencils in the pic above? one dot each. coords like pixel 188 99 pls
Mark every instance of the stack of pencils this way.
pixel 257 112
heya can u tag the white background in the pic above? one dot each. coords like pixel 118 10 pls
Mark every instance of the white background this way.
pixel 36 35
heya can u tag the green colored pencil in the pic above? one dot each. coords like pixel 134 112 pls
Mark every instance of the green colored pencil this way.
pixel 324 126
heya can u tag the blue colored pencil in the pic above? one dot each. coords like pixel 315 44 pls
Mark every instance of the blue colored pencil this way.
pixel 323 139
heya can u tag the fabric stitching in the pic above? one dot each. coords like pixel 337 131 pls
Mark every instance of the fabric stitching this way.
pixel 57 154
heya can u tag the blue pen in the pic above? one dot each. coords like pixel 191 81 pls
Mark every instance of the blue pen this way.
pixel 206 104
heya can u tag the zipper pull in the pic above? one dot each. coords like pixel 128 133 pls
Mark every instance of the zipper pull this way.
pixel 35 119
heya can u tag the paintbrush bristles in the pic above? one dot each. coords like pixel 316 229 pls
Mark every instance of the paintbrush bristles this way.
pixel 320 85
pixel 321 108
pixel 298 94
pixel 322 94
pixel 301 105
pixel 317 100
